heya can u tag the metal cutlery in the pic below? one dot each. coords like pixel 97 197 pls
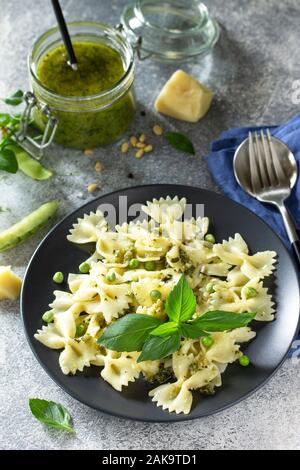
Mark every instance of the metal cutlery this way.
pixel 267 170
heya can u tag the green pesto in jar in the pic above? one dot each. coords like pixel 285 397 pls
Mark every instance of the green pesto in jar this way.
pixel 100 68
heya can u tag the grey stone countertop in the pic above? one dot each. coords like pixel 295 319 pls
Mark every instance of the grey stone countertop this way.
pixel 251 71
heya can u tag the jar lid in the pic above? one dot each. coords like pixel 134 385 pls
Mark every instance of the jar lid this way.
pixel 170 29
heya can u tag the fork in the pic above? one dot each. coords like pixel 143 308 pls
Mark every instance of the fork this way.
pixel 270 182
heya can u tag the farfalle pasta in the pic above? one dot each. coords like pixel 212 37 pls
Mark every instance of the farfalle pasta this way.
pixel 163 247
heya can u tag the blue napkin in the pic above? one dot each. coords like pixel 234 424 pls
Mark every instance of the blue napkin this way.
pixel 220 164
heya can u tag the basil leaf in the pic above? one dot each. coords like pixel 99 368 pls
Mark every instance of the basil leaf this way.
pixel 190 330
pixel 8 161
pixel 129 333
pixel 5 119
pixel 221 321
pixel 180 142
pixel 181 302
pixel 52 414
pixel 165 329
pixel 15 99
pixel 158 347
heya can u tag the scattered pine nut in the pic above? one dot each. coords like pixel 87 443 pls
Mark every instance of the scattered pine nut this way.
pixel 148 148
pixel 98 167
pixel 140 153
pixel 158 130
pixel 92 187
pixel 142 138
pixel 140 145
pixel 125 147
pixel 133 140
pixel 88 152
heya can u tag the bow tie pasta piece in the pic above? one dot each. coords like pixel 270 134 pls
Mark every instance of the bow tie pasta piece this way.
pixel 114 300
pixel 120 369
pixel 177 396
pixel 235 252
pixel 262 303
pixel 164 210
pixel 88 229
pixel 259 265
pixel 113 246
pixel 50 337
pixel 225 349
pixel 77 355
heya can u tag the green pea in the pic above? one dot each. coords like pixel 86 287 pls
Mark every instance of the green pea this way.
pixel 210 288
pixel 207 341
pixel 209 237
pixel 155 294
pixel 134 263
pixel 29 165
pixel 80 330
pixel 48 316
pixel 84 268
pixel 58 277
pixel 111 277
pixel 150 265
pixel 250 293
pixel 244 361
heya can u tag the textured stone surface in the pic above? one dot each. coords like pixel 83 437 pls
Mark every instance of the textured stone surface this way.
pixel 251 73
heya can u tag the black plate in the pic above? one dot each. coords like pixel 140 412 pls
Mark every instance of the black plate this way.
pixel 267 351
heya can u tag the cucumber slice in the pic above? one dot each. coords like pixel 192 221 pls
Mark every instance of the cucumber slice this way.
pixel 22 230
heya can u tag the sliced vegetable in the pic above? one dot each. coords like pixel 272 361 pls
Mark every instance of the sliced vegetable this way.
pixel 22 230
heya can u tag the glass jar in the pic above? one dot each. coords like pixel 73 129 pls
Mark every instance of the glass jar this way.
pixel 85 122
pixel 171 30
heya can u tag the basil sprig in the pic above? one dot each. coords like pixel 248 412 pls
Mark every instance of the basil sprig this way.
pixel 156 339
pixel 52 414
pixel 13 157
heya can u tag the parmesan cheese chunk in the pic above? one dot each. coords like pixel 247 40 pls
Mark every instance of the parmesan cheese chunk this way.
pixel 10 284
pixel 184 98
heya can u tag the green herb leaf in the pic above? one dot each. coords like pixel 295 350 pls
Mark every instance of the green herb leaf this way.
pixel 8 161
pixel 15 99
pixel 52 414
pixel 221 320
pixel 190 330
pixel 129 333
pixel 4 119
pixel 181 302
pixel 158 347
pixel 180 142
pixel 165 329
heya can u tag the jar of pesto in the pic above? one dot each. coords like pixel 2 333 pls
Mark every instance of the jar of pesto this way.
pixel 95 104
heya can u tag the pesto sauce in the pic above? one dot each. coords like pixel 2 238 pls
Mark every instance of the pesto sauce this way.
pixel 100 68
